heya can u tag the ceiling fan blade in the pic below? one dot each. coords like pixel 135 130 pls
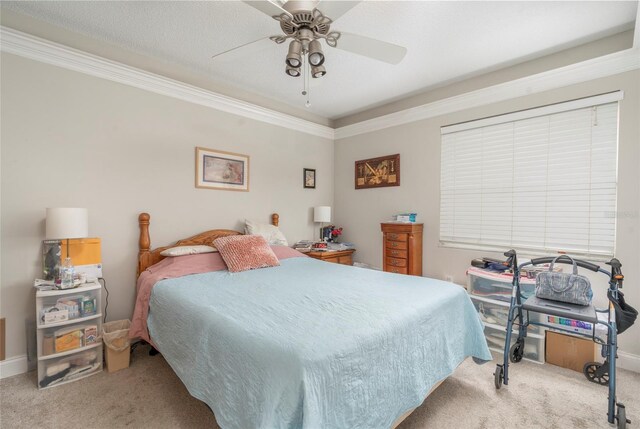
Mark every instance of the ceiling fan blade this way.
pixel 334 9
pixel 268 7
pixel 372 48
pixel 248 49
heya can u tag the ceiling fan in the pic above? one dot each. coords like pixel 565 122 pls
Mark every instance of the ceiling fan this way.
pixel 308 22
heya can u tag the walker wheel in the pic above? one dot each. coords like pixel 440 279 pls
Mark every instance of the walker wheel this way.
pixel 517 351
pixel 596 373
pixel 622 417
pixel 498 376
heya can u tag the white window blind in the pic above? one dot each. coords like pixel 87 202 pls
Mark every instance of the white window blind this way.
pixel 542 180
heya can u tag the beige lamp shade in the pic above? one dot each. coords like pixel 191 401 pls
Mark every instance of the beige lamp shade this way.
pixel 322 214
pixel 64 223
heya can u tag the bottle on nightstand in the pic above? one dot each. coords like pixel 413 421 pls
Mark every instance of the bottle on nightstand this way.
pixel 66 274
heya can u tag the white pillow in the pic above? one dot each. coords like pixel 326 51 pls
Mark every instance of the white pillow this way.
pixel 188 250
pixel 271 233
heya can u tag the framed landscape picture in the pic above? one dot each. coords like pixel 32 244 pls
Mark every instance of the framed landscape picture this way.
pixel 378 172
pixel 309 178
pixel 216 169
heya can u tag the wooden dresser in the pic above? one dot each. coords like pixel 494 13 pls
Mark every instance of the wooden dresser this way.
pixel 402 248
pixel 344 257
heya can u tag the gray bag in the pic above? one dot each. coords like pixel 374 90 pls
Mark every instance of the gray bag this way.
pixel 571 288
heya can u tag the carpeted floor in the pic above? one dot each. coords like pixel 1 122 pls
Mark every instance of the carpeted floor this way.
pixel 149 394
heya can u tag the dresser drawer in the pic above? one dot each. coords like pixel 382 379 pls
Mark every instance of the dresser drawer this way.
pixel 396 262
pixel 402 245
pixel 395 253
pixel 397 270
pixel 396 236
pixel 345 260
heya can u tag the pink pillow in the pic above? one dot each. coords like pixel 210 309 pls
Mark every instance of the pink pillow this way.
pixel 245 252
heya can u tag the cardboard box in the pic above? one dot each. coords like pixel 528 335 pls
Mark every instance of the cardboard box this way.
pixel 568 351
pixel 85 254
pixel 117 360
pixel 68 339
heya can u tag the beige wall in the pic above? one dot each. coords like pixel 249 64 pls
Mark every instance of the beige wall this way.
pixel 360 212
pixel 69 139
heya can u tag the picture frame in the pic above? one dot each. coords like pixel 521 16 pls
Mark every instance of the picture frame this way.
pixel 378 172
pixel 309 178
pixel 216 169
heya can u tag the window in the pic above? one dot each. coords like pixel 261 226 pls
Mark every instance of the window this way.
pixel 542 180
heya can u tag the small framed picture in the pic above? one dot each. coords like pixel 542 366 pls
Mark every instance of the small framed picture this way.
pixel 309 178
pixel 216 169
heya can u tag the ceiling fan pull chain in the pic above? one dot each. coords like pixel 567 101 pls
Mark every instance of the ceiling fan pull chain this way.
pixel 305 68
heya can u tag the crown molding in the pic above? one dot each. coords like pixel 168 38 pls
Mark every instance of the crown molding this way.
pixel 38 49
pixel 607 65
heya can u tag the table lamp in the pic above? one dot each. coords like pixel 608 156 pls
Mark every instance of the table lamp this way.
pixel 65 224
pixel 322 214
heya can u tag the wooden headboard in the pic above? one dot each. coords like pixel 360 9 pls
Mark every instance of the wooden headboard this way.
pixel 148 257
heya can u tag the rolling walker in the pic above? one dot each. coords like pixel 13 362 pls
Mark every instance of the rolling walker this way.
pixel 600 373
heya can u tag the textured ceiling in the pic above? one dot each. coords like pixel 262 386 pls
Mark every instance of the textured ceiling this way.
pixel 445 41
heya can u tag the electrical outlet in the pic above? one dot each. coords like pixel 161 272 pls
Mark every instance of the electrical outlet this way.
pixel 448 278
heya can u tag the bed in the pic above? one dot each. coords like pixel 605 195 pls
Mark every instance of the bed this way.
pixel 306 344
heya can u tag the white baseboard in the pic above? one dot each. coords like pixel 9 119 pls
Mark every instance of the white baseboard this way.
pixel 629 361
pixel 13 366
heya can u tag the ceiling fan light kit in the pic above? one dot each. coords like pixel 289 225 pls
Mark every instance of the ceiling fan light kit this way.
pixel 293 71
pixel 316 56
pixel 302 21
pixel 294 58
pixel 318 71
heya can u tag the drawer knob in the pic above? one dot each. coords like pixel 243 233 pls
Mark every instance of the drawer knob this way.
pixel 394 271
pixel 393 236
pixel 394 252
pixel 394 244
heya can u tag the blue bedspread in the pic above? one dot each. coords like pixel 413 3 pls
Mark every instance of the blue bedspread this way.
pixel 311 344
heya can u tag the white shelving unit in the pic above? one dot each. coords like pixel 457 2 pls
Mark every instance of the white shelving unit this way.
pixel 82 357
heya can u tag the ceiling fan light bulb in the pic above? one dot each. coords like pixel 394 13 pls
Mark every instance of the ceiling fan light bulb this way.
pixel 316 56
pixel 292 71
pixel 294 56
pixel 316 59
pixel 318 71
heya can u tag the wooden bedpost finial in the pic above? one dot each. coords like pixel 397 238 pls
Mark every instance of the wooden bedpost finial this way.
pixel 145 241
pixel 275 219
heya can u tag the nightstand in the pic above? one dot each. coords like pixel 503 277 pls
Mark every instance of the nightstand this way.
pixel 69 325
pixel 344 257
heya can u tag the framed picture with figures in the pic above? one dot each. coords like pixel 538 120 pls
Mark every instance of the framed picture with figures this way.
pixel 216 169
pixel 378 172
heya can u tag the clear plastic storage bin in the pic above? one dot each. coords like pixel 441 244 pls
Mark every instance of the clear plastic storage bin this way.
pixel 533 343
pixel 496 285
pixel 62 368
pixel 69 305
pixel 497 312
